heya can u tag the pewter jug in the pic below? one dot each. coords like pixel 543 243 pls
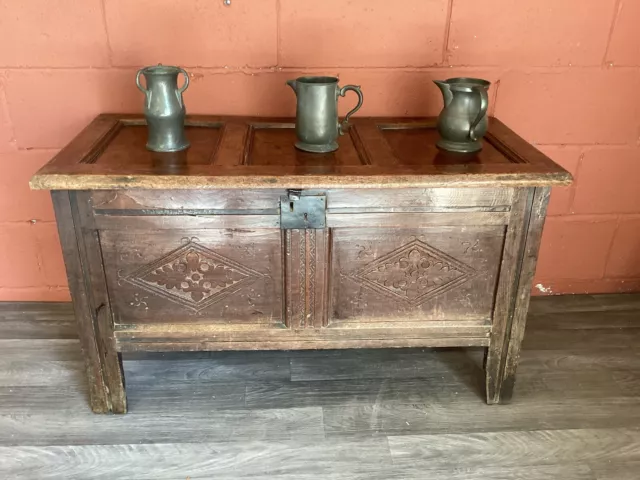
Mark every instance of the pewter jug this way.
pixel 317 124
pixel 164 107
pixel 463 121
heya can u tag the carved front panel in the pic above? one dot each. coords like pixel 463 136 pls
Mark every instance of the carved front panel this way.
pixel 207 276
pixel 414 274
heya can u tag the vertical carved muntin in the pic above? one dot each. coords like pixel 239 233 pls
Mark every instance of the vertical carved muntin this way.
pixel 306 273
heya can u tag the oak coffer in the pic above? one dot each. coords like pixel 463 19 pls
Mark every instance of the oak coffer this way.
pixel 243 242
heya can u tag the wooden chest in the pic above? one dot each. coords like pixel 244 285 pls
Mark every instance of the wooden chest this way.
pixel 242 242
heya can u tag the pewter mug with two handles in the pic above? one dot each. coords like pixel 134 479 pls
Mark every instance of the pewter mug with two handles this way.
pixel 164 107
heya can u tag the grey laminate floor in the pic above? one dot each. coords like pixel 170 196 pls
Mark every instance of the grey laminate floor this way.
pixel 366 414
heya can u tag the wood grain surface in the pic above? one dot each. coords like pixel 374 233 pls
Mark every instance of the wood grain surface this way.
pixel 238 153
pixel 335 414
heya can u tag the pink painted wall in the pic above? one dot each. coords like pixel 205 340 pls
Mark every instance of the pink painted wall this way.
pixel 566 76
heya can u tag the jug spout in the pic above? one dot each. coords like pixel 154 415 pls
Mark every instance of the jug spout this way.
pixel 292 84
pixel 446 91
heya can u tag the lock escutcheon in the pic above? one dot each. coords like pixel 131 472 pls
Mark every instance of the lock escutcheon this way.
pixel 299 211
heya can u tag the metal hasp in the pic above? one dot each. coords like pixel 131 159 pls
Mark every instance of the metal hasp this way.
pixel 298 211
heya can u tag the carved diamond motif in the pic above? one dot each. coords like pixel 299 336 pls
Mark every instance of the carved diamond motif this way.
pixel 414 273
pixel 193 276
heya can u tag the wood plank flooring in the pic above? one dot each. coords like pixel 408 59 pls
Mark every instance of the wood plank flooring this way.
pixel 350 414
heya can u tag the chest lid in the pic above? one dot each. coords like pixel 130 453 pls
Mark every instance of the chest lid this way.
pixel 242 152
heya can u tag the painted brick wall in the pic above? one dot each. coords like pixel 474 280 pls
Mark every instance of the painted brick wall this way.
pixel 566 76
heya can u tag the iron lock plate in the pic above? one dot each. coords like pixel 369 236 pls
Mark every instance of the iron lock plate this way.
pixel 299 211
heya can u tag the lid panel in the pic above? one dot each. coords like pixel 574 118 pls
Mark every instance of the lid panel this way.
pixel 417 146
pixel 128 148
pixel 276 146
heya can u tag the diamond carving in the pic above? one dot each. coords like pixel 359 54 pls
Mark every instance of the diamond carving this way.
pixel 414 273
pixel 193 276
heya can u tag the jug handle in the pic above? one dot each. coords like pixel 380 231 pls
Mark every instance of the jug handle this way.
pixel 484 103
pixel 186 80
pixel 343 127
pixel 140 87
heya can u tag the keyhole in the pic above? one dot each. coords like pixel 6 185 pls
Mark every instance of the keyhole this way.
pixel 305 218
pixel 291 206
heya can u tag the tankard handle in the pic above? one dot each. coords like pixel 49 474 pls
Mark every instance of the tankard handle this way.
pixel 342 127
pixel 140 87
pixel 186 80
pixel 484 103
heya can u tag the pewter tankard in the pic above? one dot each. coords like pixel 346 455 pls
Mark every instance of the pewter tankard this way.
pixel 317 124
pixel 164 107
pixel 463 121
